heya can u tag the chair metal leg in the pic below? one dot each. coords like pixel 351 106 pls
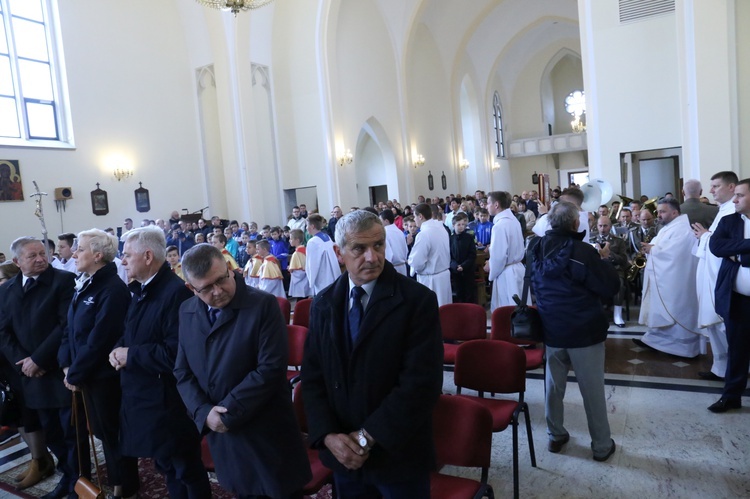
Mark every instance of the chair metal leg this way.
pixel 528 434
pixel 515 457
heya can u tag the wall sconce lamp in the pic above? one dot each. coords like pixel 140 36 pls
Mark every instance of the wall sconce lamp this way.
pixel 418 160
pixel 347 158
pixel 122 173
pixel 495 166
pixel 463 164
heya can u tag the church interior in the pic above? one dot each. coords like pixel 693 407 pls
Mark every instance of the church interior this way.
pixel 333 102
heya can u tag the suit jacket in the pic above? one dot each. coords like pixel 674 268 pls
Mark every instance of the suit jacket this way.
pixel 153 418
pixel 728 241
pixel 698 212
pixel 240 363
pixel 32 325
pixel 388 384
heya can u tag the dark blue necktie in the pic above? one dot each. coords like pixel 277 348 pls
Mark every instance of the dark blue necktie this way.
pixel 213 314
pixel 355 313
pixel 29 284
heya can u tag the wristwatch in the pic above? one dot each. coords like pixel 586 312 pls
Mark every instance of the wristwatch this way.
pixel 361 438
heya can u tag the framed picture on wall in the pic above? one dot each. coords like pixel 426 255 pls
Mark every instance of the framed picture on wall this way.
pixel 99 201
pixel 10 181
pixel 142 200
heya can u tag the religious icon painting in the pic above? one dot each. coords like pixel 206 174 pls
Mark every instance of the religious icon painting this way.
pixel 10 180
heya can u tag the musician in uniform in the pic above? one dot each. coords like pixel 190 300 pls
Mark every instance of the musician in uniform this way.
pixel 618 255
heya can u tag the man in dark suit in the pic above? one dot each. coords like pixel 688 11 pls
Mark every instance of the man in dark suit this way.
pixel 153 419
pixel 696 211
pixel 34 316
pixel 231 372
pixel 731 243
pixel 372 370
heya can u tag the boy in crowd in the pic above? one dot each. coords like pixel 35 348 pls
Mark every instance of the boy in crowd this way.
pixel 220 241
pixel 463 261
pixel 251 272
pixel 271 280
pixel 173 258
pixel 299 287
pixel 483 228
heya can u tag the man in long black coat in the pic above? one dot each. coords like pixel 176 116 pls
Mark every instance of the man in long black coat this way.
pixel 232 376
pixel 34 315
pixel 372 370
pixel 153 419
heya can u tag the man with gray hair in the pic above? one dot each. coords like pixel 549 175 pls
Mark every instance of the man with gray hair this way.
pixel 696 211
pixel 231 373
pixel 372 370
pixel 569 279
pixel 154 421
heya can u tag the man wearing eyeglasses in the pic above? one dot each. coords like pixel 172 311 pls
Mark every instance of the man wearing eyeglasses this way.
pixel 154 421
pixel 231 372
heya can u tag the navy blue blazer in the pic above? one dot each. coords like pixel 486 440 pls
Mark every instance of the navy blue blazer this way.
pixel 728 240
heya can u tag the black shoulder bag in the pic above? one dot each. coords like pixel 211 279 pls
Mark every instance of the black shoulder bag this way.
pixel 525 322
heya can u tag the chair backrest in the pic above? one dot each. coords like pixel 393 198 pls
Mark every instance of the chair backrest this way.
pixel 463 322
pixel 490 366
pixel 286 308
pixel 462 431
pixel 500 329
pixel 297 337
pixel 301 315
pixel 299 407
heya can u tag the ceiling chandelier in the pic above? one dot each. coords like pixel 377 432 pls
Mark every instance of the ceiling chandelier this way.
pixel 234 5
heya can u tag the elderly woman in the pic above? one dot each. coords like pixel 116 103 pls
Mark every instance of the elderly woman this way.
pixel 96 321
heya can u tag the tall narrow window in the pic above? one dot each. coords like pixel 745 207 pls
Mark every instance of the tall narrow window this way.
pixel 30 77
pixel 497 115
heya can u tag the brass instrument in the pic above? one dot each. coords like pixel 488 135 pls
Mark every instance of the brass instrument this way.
pixel 624 201
pixel 639 261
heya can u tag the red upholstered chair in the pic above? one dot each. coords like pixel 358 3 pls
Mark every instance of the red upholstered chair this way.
pixel 286 308
pixel 301 315
pixel 461 322
pixel 297 336
pixel 320 474
pixel 462 432
pixel 501 331
pixel 208 460
pixel 497 367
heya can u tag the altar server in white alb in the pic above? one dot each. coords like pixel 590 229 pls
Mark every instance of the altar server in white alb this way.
pixel 430 257
pixel 396 250
pixel 571 195
pixel 669 308
pixel 322 264
pixel 504 268
pixel 722 189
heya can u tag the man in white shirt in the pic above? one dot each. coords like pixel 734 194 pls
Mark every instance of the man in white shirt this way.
pixel 297 221
pixel 321 265
pixel 722 189
pixel 571 195
pixel 504 267
pixel 65 250
pixel 430 257
pixel 395 243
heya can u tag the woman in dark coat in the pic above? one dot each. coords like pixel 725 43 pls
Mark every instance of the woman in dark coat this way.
pixel 96 319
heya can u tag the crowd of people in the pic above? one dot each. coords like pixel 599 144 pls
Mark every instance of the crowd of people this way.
pixel 170 332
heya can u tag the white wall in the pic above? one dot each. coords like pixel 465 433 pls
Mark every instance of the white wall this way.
pixel 742 13
pixel 126 98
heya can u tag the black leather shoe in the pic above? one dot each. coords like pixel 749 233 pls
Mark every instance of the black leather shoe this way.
pixel 607 455
pixel 709 376
pixel 620 325
pixel 556 446
pixel 60 491
pixel 723 405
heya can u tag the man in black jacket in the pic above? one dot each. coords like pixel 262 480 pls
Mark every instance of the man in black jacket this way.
pixel 372 370
pixel 569 279
pixel 154 421
pixel 463 261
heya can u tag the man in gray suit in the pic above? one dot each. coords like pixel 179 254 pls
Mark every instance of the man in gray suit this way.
pixel 696 211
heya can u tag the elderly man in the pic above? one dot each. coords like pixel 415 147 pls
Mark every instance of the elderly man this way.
pixel 722 189
pixel 336 214
pixel 322 266
pixel 696 211
pixel 154 421
pixel 32 320
pixel 430 257
pixel 570 279
pixel 231 372
pixel 730 242
pixel 372 371
pixel 396 250
pixel 618 256
pixel 669 312
pixel 504 268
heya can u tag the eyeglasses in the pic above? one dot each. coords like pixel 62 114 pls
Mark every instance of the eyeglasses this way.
pixel 218 282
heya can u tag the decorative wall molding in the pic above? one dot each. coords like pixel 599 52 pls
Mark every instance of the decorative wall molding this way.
pixel 552 144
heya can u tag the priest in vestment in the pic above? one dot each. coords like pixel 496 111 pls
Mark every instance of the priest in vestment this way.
pixel 430 257
pixel 722 188
pixel 669 308
pixel 504 267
